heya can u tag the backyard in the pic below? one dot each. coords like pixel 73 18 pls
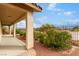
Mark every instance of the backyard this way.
pixel 52 45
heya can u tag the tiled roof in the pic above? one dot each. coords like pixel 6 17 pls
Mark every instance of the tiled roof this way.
pixel 37 5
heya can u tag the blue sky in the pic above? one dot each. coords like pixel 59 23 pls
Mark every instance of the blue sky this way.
pixel 56 14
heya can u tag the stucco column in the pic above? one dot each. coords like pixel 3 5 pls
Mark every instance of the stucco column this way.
pixel 14 30
pixel 0 30
pixel 9 30
pixel 29 30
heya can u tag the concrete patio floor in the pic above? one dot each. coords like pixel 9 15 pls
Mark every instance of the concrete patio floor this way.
pixel 11 46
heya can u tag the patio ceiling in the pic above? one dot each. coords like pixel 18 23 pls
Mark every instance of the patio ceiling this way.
pixel 11 13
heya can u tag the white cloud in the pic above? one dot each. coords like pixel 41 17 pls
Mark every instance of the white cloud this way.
pixel 73 20
pixel 67 13
pixel 58 9
pixel 51 5
pixel 59 13
pixel 42 18
pixel 39 21
pixel 21 24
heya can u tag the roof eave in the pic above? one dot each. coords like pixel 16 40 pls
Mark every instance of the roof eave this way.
pixel 34 6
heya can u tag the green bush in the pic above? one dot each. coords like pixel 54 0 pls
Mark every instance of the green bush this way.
pixel 50 38
pixel 39 36
pixel 18 31
pixel 62 40
pixel 54 39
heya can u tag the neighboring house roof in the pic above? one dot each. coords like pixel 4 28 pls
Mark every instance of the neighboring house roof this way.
pixel 13 12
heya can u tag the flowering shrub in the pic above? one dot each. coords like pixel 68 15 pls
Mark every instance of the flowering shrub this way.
pixel 53 38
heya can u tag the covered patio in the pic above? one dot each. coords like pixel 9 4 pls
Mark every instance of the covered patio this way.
pixel 10 14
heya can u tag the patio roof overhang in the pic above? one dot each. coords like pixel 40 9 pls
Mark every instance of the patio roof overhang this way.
pixel 11 13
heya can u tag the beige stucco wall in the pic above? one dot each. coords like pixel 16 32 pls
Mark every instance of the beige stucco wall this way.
pixel 29 30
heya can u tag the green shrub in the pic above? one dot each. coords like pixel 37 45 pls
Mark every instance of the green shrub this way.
pixel 47 27
pixel 18 31
pixel 39 36
pixel 62 40
pixel 54 38
pixel 50 38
